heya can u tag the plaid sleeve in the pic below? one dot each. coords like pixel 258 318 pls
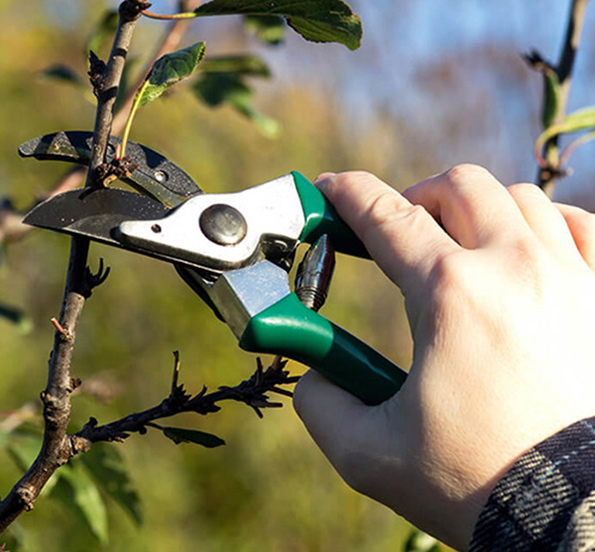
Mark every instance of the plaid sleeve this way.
pixel 546 501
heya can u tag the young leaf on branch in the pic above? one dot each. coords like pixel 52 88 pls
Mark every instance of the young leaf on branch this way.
pixel 166 71
pixel 582 119
pixel 180 435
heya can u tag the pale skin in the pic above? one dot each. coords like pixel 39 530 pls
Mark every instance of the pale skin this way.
pixel 499 286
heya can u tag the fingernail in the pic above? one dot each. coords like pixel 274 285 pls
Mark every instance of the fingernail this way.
pixel 322 177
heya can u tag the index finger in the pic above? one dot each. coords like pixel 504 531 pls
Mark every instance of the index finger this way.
pixel 401 237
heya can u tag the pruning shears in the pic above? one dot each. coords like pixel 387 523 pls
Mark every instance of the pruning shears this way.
pixel 234 250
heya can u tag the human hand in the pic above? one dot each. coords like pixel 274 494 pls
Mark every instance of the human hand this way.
pixel 499 287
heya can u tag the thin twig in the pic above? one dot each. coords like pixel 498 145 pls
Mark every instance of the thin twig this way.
pixel 547 179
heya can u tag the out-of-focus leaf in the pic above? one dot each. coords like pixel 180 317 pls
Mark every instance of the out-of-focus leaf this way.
pixel 108 468
pixel 78 493
pixel 103 32
pixel 17 317
pixel 583 119
pixel 170 69
pixel 62 73
pixel 179 435
pixel 23 447
pixel 241 65
pixel 219 88
pixel 315 20
pixel 15 538
pixel 270 29
pixel 418 541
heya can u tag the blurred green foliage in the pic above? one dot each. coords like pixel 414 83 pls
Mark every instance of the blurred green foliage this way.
pixel 269 488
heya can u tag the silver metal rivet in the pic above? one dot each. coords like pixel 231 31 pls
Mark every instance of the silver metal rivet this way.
pixel 160 176
pixel 223 224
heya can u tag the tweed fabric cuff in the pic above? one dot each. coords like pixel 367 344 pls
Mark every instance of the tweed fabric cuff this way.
pixel 546 501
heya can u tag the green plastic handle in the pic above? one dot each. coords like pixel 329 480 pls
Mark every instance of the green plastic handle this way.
pixel 322 218
pixel 290 329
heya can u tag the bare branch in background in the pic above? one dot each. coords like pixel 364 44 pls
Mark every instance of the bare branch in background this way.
pixel 549 176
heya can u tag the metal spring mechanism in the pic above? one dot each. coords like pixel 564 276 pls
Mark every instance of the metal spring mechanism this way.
pixel 315 272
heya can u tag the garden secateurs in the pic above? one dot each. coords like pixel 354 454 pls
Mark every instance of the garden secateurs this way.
pixel 234 250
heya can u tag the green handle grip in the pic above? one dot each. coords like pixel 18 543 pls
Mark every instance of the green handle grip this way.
pixel 290 329
pixel 322 218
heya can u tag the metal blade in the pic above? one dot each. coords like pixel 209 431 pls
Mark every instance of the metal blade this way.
pixel 96 214
pixel 154 175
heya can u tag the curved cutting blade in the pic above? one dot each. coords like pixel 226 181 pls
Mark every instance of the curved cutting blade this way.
pixel 154 174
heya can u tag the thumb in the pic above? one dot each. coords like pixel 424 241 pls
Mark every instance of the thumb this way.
pixel 329 413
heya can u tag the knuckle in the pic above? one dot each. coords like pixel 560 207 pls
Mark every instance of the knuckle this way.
pixel 525 191
pixel 463 173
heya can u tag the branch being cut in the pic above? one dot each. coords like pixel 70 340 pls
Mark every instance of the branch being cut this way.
pixel 56 448
pixel 549 176
pixel 253 392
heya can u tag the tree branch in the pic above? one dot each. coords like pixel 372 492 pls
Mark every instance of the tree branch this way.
pixel 56 448
pixel 252 392
pixel 547 178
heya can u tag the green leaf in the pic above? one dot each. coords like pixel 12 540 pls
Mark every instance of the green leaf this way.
pixel 315 20
pixel 23 447
pixel 179 435
pixel 170 69
pixel 107 467
pixel 17 317
pixel 62 73
pixel 103 33
pixel 270 29
pixel 241 65
pixel 418 541
pixel 218 88
pixel 79 494
pixel 583 119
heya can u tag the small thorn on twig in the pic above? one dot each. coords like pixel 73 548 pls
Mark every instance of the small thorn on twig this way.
pixel 92 280
pixel 537 62
pixel 174 380
pixel 177 395
pixel 65 335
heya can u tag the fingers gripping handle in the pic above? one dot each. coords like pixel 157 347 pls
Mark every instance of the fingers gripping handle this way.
pixel 290 329
pixel 322 218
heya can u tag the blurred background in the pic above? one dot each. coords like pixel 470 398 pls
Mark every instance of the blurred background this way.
pixel 434 84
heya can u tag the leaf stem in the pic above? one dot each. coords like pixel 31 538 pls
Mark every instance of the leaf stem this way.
pixel 131 115
pixel 185 15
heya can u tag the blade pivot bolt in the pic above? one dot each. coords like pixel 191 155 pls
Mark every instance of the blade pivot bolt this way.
pixel 223 224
